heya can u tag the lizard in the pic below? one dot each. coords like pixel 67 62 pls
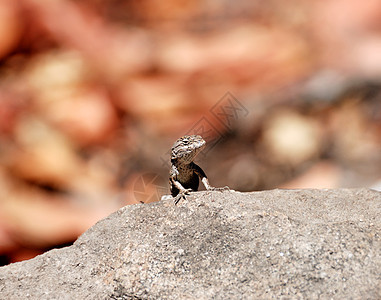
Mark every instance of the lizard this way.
pixel 184 173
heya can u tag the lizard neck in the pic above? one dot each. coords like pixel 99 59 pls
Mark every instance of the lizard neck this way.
pixel 176 162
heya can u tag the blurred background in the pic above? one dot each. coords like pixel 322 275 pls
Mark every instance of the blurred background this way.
pixel 94 93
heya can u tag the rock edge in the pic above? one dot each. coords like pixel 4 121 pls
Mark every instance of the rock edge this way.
pixel 221 245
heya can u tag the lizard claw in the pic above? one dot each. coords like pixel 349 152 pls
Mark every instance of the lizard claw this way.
pixel 181 195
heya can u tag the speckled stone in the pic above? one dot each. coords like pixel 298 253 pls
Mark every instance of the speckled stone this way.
pixel 286 244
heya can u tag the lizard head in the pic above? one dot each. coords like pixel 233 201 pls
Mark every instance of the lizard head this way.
pixel 186 148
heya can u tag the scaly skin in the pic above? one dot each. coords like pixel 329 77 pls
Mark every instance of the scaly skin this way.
pixel 184 174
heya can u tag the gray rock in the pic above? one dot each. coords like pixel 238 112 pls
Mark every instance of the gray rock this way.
pixel 221 245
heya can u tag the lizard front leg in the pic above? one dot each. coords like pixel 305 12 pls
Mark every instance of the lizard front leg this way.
pixel 204 179
pixel 182 191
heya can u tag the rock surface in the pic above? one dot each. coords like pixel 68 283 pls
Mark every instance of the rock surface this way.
pixel 221 245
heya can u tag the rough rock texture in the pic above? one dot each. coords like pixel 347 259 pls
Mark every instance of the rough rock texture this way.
pixel 221 245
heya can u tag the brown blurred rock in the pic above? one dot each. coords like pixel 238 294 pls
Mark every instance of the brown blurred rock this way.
pixel 292 138
pixel 33 218
pixel 87 116
pixel 322 175
pixel 110 50
pixel 355 138
pixel 241 53
pixel 11 26
pixel 42 154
